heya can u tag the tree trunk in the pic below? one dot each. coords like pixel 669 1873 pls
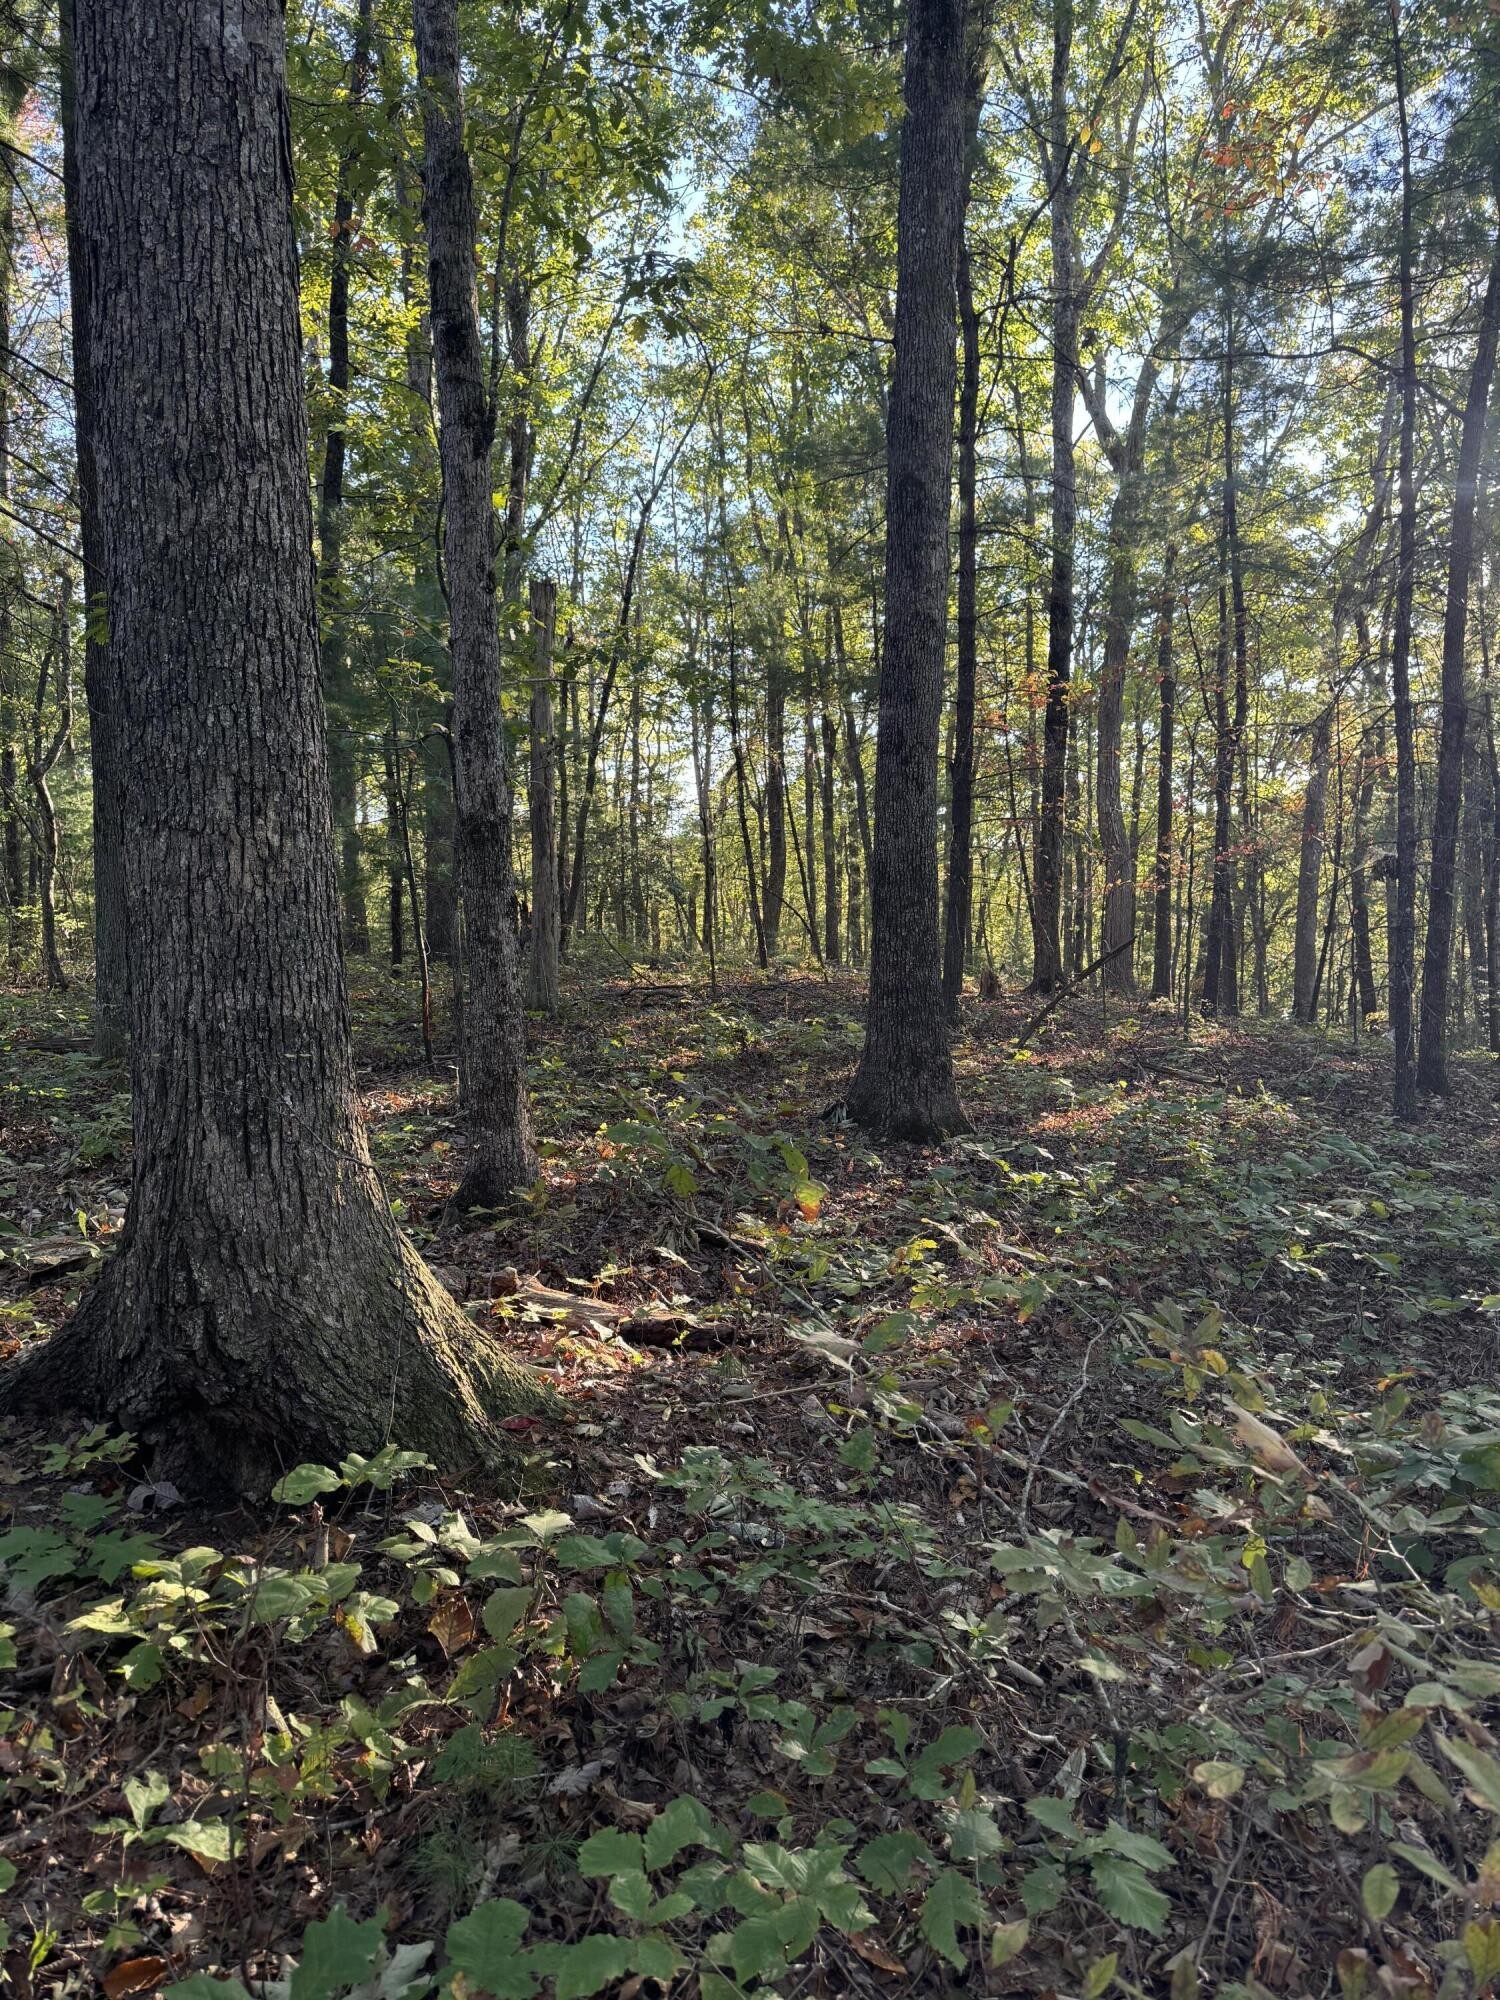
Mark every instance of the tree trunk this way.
pixel 500 1153
pixel 1432 1065
pixel 1403 929
pixel 904 1084
pixel 1161 944
pixel 1220 973
pixel 1310 871
pixel 1047 874
pixel 262 1307
pixel 111 932
pixel 395 859
pixel 1368 998
pixel 343 758
pixel 961 805
pixel 41 760
pixel 541 979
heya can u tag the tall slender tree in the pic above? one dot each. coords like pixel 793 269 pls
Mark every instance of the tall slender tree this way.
pixel 501 1157
pixel 904 1087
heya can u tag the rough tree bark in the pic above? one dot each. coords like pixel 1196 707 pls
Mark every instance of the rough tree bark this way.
pixel 1432 1052
pixel 903 1087
pixel 262 1306
pixel 501 1157
pixel 541 799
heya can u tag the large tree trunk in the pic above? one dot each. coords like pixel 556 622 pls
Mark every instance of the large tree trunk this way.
pixel 1047 873
pixel 111 933
pixel 343 757
pixel 1310 870
pixel 904 1084
pixel 1432 1062
pixel 262 1307
pixel 497 1128
pixel 541 799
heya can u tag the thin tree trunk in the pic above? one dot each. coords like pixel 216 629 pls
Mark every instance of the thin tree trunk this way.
pixel 903 1087
pixel 343 760
pixel 1432 1066
pixel 111 925
pixel 262 1306
pixel 1047 873
pixel 1310 870
pixel 501 1157
pixel 1403 928
pixel 542 969
pixel 41 761
pixel 1161 966
pixel 960 882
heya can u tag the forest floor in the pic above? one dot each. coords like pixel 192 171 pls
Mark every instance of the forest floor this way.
pixel 1063 1563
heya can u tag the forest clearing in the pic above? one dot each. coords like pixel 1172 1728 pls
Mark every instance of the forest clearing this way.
pixel 749 999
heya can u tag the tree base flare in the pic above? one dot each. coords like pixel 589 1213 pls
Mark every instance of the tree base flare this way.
pixel 229 1393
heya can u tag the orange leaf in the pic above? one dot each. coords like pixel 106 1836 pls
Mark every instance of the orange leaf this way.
pixel 135 1975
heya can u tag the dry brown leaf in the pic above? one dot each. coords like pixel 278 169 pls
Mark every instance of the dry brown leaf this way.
pixel 452 1623
pixel 1273 1452
pixel 873 1952
pixel 135 1975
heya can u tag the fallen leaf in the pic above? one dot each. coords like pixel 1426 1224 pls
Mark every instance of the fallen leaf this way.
pixel 452 1623
pixel 135 1975
pixel 873 1952
pixel 1273 1452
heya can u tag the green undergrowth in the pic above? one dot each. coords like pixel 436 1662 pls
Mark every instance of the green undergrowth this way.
pixel 1086 1581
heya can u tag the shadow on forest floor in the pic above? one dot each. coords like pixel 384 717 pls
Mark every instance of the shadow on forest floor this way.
pixel 1068 1561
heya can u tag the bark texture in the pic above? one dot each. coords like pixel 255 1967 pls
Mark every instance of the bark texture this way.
pixel 904 1084
pixel 263 1307
pixel 498 1131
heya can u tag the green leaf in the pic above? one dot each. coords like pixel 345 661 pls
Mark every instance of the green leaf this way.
pixel 208 1839
pixel 754 1949
pixel 950 1905
pixel 611 1851
pixel 1124 1890
pixel 1482 1949
pixel 335 1953
pixel 591 1965
pixel 1100 1976
pixel 304 1483
pixel 657 1958
pixel 1042 1888
pixel 1481 1770
pixel 1136 1846
pixel 631 1894
pixel 1379 1890
pixel 600 1672
pixel 547 1525
pixel 1220 1781
pixel 1009 1941
pixel 1056 1815
pixel 684 1823
pixel 1427 1864
pixel 886 1862
pixel 483 1947
pixel 7 1874
pixel 504 1610
pixel 144 1796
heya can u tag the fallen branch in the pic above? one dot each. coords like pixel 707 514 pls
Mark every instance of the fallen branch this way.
pixel 1067 992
